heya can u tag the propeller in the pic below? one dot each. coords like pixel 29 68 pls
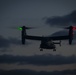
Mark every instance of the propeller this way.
pixel 20 28
pixel 67 27
pixel 74 27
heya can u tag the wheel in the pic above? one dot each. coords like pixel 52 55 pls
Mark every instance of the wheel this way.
pixel 54 49
pixel 41 49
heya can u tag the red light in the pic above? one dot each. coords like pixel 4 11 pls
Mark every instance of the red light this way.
pixel 74 28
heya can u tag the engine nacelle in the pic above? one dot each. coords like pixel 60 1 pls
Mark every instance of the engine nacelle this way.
pixel 23 35
pixel 70 34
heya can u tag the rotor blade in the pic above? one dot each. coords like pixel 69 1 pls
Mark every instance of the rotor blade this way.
pixel 20 27
pixel 74 27
pixel 30 27
pixel 62 27
pixel 66 27
pixel 12 27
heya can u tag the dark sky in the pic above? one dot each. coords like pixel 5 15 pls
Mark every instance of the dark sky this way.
pixel 48 16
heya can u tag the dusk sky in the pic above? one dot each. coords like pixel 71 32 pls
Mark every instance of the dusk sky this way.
pixel 49 17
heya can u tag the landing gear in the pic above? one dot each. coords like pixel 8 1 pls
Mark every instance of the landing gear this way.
pixel 41 49
pixel 54 49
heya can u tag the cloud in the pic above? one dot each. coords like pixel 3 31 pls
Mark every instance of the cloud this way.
pixel 6 42
pixel 32 72
pixel 5 50
pixel 39 60
pixel 62 20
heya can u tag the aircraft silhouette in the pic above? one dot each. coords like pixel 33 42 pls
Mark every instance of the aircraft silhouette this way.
pixel 47 42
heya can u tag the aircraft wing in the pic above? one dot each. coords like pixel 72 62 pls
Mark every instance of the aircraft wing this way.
pixel 33 37
pixel 48 38
pixel 59 37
